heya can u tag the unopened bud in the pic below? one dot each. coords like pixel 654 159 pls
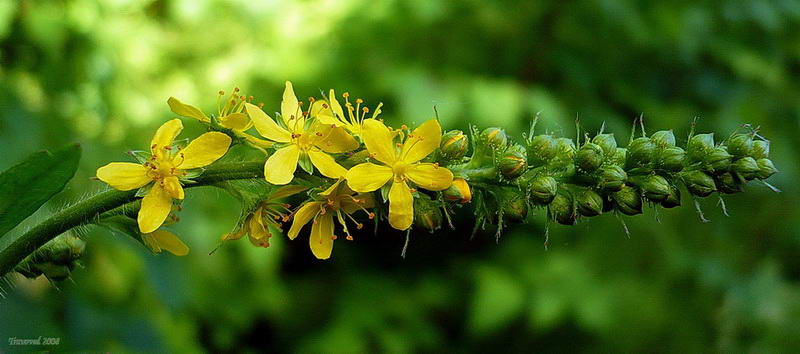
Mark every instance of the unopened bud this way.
pixel 663 138
pixel 543 189
pixel 619 156
pixel 699 146
pixel 673 199
pixel 454 145
pixel 589 157
pixel 698 183
pixel 541 149
pixel 514 205
pixel 717 160
pixel 607 143
pixel 747 167
pixel 640 152
pixel 565 148
pixel 494 137
pixel 561 209
pixel 588 202
pixel 728 183
pixel 459 191
pixel 628 200
pixel 612 178
pixel 427 215
pixel 655 187
pixel 513 161
pixel 740 145
pixel 766 168
pixel 671 159
pixel 760 149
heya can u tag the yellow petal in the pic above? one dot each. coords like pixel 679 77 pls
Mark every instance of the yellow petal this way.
pixel 321 240
pixel 266 126
pixel 290 110
pixel 302 217
pixel 235 121
pixel 168 241
pixel 367 177
pixel 331 190
pixel 156 206
pixel 326 164
pixel 335 106
pixel 124 176
pixel 173 187
pixel 186 110
pixel 165 135
pixel 378 140
pixel 256 141
pixel 430 176
pixel 422 141
pixel 202 151
pixel 280 167
pixel 401 206
pixel 321 111
pixel 333 139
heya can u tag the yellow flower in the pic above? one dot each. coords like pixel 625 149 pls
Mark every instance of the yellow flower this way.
pixel 269 212
pixel 229 115
pixel 339 199
pixel 400 165
pixel 159 240
pixel 331 112
pixel 314 143
pixel 166 165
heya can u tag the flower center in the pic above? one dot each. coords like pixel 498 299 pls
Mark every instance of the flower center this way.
pixel 399 168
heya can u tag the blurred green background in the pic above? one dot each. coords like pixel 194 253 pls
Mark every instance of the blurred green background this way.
pixel 100 72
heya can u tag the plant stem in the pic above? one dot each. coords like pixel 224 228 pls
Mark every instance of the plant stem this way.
pixel 14 249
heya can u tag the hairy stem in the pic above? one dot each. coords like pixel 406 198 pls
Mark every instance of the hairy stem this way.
pixel 14 249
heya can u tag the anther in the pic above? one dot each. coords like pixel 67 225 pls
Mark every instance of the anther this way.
pixel 235 89
pixel 365 110
pixel 221 93
pixel 359 226
pixel 349 238
pixel 346 94
pixel 371 215
pixel 359 101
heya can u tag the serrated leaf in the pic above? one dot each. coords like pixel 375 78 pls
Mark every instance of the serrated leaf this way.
pixel 29 184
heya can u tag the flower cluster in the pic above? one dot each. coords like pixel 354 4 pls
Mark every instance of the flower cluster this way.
pixel 351 161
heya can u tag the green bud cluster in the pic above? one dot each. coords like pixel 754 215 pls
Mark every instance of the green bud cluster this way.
pixel 56 259
pixel 574 179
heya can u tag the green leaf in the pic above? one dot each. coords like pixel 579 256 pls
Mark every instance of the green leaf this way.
pixel 29 184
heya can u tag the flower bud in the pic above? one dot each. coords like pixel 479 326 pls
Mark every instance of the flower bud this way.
pixel 494 137
pixel 607 143
pixel 612 178
pixel 765 168
pixel 561 209
pixel 671 159
pixel 747 167
pixel 699 146
pixel 65 249
pixel 565 148
pixel 541 148
pixel 53 271
pixel 640 152
pixel 588 202
pixel 740 145
pixel 654 187
pixel 728 183
pixel 619 156
pixel 663 138
pixel 454 145
pixel 459 191
pixel 543 189
pixel 427 215
pixel 760 149
pixel 514 205
pixel 717 160
pixel 673 199
pixel 698 183
pixel 589 157
pixel 628 200
pixel 513 161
